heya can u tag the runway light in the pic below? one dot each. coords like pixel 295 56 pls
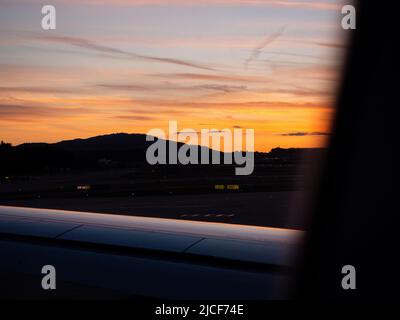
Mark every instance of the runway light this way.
pixel 219 187
pixel 83 187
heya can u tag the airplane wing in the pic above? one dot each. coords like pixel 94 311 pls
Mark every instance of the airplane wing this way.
pixel 106 256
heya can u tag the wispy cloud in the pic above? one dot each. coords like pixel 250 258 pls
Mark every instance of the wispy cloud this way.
pixel 301 92
pixel 210 131
pixel 158 60
pixel 210 77
pixel 303 134
pixel 93 46
pixel 17 112
pixel 44 90
pixel 135 117
pixel 335 45
pixel 257 50
pixel 321 43
pixel 171 87
pixel 243 105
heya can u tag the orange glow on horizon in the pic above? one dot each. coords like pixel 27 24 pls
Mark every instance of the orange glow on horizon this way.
pixel 217 66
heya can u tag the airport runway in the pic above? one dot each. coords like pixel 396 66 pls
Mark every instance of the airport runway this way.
pixel 274 209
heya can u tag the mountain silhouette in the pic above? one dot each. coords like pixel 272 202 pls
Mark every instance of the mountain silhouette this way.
pixel 111 142
pixel 114 150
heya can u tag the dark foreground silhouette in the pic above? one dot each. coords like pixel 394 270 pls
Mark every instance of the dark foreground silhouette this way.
pixel 109 174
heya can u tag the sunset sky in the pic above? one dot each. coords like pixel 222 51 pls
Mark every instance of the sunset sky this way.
pixel 133 65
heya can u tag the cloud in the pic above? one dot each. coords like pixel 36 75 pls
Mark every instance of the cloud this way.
pixel 135 117
pixel 210 77
pixel 213 131
pixel 302 74
pixel 257 50
pixel 331 44
pixel 125 87
pixel 222 88
pixel 93 46
pixel 51 90
pixel 243 105
pixel 171 87
pixel 303 134
pixel 18 112
pixel 188 132
pixel 291 54
pixel 301 92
